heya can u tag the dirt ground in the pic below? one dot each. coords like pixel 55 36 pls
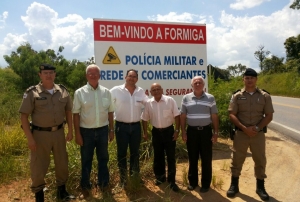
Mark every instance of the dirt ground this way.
pixel 282 184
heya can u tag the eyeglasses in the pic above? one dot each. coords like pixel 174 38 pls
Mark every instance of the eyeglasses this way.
pixel 198 83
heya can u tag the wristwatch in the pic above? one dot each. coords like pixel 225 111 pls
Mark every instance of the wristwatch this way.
pixel 257 128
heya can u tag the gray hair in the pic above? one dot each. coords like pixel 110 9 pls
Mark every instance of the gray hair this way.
pixel 92 66
pixel 198 77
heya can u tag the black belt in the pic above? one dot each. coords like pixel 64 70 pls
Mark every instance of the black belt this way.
pixel 199 127
pixel 51 129
pixel 236 128
pixel 132 123
pixel 163 129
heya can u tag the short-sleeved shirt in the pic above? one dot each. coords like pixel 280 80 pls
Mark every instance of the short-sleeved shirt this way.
pixel 46 109
pixel 198 110
pixel 128 108
pixel 93 105
pixel 161 114
pixel 250 109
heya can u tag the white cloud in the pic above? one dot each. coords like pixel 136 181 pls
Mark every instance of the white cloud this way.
pixel 244 4
pixel 47 31
pixel 173 17
pixel 3 18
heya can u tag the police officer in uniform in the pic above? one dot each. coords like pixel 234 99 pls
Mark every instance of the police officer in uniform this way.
pixel 250 110
pixel 48 104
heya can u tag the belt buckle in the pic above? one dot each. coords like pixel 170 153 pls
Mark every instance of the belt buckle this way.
pixel 54 128
pixel 199 127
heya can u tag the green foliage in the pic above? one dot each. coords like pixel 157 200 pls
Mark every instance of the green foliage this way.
pixel 222 91
pixel 292 47
pixel 284 84
pixel 295 5
pixel 236 70
pixel 13 153
pixel 261 55
pixel 273 65
pixel 10 96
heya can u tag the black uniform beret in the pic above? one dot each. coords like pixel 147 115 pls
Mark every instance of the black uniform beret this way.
pixel 250 72
pixel 46 67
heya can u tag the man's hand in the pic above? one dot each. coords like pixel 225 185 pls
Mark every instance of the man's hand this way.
pixel 69 136
pixel 111 135
pixel 78 139
pixel 145 135
pixel 31 144
pixel 250 131
pixel 214 138
pixel 175 136
pixel 184 136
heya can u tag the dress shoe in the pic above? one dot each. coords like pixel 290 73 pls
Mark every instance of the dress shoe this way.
pixel 174 187
pixel 191 188
pixel 204 190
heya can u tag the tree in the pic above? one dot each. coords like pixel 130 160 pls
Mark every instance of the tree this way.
pixel 260 55
pixel 273 65
pixel 292 47
pixel 295 5
pixel 236 70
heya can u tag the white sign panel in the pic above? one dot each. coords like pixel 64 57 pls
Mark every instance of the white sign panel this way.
pixel 170 54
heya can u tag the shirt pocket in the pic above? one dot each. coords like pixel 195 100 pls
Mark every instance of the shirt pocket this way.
pixel 41 105
pixel 243 105
pixel 167 113
pixel 260 103
pixel 105 103
pixel 138 101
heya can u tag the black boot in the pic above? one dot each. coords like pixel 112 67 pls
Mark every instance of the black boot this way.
pixel 62 194
pixel 234 187
pixel 39 196
pixel 260 190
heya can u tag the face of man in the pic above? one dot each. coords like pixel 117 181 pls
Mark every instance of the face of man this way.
pixel 47 76
pixel 249 81
pixel 131 78
pixel 198 85
pixel 156 91
pixel 93 76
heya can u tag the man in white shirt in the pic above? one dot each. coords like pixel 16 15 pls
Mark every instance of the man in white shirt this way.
pixel 93 124
pixel 128 100
pixel 161 111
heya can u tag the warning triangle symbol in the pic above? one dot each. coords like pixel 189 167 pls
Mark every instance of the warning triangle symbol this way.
pixel 111 57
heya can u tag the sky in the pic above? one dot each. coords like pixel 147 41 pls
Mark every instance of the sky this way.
pixel 235 28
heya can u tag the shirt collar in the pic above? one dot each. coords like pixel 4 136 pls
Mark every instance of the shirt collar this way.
pixel 91 87
pixel 163 98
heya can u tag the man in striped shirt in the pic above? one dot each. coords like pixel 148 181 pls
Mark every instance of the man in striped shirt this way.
pixel 199 112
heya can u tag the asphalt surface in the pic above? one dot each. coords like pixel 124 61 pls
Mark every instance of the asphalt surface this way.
pixel 286 118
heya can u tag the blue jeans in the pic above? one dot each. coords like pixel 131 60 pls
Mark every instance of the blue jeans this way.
pixel 128 135
pixel 94 138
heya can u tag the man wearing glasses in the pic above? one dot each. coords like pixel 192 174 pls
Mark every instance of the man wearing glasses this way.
pixel 128 100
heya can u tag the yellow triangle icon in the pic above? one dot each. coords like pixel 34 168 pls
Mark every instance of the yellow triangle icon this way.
pixel 111 57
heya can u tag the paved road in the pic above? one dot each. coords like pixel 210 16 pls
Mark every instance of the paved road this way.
pixel 286 118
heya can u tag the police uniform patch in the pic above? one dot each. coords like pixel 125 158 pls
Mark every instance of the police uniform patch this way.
pixel 25 95
pixel 242 98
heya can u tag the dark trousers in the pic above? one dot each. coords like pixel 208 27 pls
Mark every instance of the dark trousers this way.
pixel 162 141
pixel 94 138
pixel 199 143
pixel 128 136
